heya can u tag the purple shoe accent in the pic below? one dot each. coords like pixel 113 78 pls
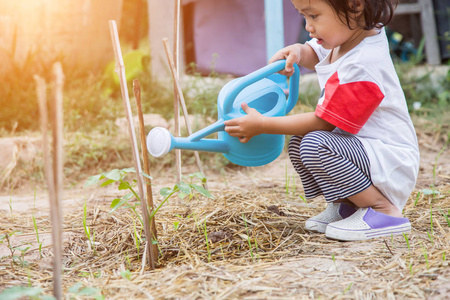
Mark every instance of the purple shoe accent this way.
pixel 346 211
pixel 378 220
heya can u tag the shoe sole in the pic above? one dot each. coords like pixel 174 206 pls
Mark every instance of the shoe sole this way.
pixel 365 234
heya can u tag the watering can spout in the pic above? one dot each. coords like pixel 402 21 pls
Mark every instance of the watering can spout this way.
pixel 160 141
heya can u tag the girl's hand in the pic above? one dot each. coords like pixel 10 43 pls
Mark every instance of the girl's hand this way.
pixel 247 126
pixel 291 54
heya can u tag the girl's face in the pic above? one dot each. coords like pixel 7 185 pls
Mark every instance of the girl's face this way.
pixel 323 23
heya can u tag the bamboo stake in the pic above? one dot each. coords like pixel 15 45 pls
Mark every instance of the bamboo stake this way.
pixel 120 70
pixel 49 175
pixel 153 247
pixel 181 98
pixel 58 174
pixel 176 107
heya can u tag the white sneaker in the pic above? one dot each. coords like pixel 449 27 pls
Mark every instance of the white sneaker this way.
pixel 334 212
pixel 365 224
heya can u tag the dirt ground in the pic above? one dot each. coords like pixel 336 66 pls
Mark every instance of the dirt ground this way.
pixel 290 263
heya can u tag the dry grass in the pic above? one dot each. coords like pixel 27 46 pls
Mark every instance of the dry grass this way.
pixel 257 249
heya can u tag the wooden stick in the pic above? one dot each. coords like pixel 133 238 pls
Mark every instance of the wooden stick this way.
pixel 58 165
pixel 176 108
pixel 48 170
pixel 120 70
pixel 153 247
pixel 181 98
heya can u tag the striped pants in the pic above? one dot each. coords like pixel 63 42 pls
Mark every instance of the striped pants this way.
pixel 330 164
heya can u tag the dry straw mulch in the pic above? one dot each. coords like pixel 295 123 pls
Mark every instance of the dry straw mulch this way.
pixel 255 247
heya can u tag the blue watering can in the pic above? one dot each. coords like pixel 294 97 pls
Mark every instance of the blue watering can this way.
pixel 260 93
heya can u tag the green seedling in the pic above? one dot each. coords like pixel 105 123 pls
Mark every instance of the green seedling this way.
pixel 183 189
pixel 126 275
pixel 18 259
pixel 196 224
pixel 85 292
pixel 118 176
pixel 176 225
pixel 248 239
pixel 257 249
pixel 303 198
pixel 334 261
pixel 446 216
pixel 417 198
pixel 207 241
pixel 430 236
pixel 407 241
pixel 443 256
pixel 23 263
pixel 288 181
pixel 127 258
pixel 348 288
pixel 137 238
pixel 223 255
pixel 35 226
pixel 87 231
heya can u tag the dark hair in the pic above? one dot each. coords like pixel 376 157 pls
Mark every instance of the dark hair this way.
pixel 376 13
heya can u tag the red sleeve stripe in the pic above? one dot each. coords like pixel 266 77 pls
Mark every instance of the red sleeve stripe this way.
pixel 348 106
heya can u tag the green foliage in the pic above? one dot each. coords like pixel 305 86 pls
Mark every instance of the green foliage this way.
pixel 19 292
pixel 184 189
pixel 22 248
pixel 424 86
pixel 91 292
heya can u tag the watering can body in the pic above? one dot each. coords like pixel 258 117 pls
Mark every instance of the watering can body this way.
pixel 260 93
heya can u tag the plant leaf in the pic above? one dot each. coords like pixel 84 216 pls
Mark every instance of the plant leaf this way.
pixel 202 191
pixel 182 195
pixel 107 182
pixel 128 196
pixel 113 175
pixel 18 292
pixel 89 291
pixel 165 192
pixel 116 203
pixel 124 185
pixel 184 187
pixel 128 170
pixel 93 180
pixel 146 175
pixel 429 192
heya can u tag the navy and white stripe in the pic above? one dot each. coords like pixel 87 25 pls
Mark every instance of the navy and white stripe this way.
pixel 330 164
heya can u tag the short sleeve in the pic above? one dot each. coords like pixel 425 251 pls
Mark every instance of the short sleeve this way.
pixel 349 105
pixel 321 52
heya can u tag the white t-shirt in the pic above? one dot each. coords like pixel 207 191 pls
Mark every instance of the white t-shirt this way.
pixel 362 95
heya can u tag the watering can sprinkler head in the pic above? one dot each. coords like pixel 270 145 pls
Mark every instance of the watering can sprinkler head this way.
pixel 159 141
pixel 259 92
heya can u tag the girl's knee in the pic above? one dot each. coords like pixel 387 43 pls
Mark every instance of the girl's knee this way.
pixel 311 141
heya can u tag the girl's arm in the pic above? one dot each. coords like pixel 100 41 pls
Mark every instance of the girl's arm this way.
pixel 255 123
pixel 301 54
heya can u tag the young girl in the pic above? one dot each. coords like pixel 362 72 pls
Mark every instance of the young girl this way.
pixel 359 148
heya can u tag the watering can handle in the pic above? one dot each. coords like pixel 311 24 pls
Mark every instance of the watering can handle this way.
pixel 260 74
